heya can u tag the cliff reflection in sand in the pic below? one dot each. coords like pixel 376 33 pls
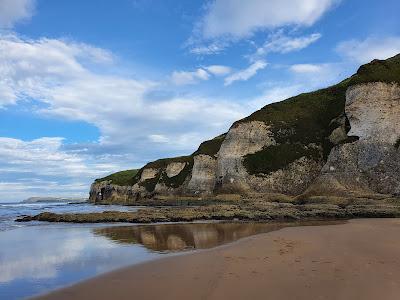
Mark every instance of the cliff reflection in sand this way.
pixel 178 237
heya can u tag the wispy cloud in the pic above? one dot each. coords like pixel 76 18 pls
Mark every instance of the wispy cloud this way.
pixel 281 43
pixel 277 92
pixel 46 157
pixel 185 77
pixel 306 68
pixel 363 51
pixel 239 19
pixel 247 73
pixel 200 74
pixel 218 70
pixel 207 48
pixel 28 166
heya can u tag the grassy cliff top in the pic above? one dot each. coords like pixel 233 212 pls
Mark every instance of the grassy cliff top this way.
pixel 120 178
pixel 331 100
pixel 164 162
pixel 378 70
pixel 210 147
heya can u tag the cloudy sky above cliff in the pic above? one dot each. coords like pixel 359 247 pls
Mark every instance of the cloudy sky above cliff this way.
pixel 92 87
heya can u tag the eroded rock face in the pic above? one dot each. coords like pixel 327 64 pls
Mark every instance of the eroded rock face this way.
pixel 148 173
pixel 367 166
pixel 338 135
pixel 373 110
pixel 203 175
pixel 371 164
pixel 174 168
pixel 107 193
pixel 292 180
pixel 162 189
pixel 245 138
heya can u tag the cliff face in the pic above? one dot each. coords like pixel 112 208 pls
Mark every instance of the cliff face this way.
pixel 372 163
pixel 336 141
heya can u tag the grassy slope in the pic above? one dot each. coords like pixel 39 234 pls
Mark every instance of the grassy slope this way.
pixel 120 178
pixel 210 147
pixel 295 122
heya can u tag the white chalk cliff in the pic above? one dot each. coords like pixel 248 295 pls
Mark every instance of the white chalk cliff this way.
pixel 337 141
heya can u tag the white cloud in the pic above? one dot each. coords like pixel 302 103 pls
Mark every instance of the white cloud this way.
pixel 280 43
pixel 315 76
pixel 27 188
pixel 13 11
pixel 45 157
pixel 247 73
pixel 200 74
pixel 239 19
pixel 208 48
pixel 33 162
pixel 302 78
pixel 218 70
pixel 363 51
pixel 306 68
pixel 184 77
pixel 70 81
pixel 53 71
pixel 43 261
pixel 158 138
pixel 277 92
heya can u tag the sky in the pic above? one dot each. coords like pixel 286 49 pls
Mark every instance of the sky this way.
pixel 91 87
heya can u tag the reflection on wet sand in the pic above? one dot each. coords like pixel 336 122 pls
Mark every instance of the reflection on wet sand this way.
pixel 178 237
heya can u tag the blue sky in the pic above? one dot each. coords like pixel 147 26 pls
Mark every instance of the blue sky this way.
pixel 92 87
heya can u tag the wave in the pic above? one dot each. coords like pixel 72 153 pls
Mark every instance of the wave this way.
pixel 33 205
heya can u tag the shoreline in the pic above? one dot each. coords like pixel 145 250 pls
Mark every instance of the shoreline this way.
pixel 235 211
pixel 354 260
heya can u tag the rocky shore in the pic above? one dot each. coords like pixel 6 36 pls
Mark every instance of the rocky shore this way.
pixel 250 210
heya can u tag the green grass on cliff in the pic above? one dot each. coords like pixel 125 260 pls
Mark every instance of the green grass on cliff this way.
pixel 276 156
pixel 178 180
pixel 164 162
pixel 296 123
pixel 120 178
pixel 210 147
pixel 378 70
pixel 161 164
pixel 150 184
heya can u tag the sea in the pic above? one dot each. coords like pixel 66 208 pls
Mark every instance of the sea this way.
pixel 39 257
pixel 10 211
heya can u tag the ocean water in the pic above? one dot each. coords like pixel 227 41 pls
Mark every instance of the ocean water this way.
pixel 38 257
pixel 10 211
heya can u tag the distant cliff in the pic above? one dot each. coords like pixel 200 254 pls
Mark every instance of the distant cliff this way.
pixel 339 141
pixel 54 199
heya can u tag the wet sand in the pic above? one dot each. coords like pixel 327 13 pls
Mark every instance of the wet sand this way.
pixel 356 260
